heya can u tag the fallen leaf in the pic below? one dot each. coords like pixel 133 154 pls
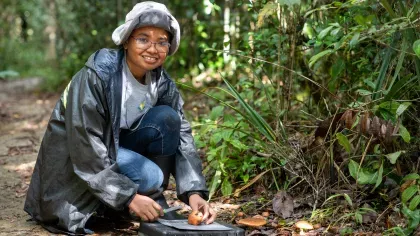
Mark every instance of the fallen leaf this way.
pixel 283 204
pixel 258 217
pixel 19 195
pixel 229 206
pixel 407 184
pixel 255 232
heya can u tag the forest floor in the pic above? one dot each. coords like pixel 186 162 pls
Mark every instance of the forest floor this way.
pixel 24 114
pixel 23 118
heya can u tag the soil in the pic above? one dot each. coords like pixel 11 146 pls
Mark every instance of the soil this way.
pixel 23 118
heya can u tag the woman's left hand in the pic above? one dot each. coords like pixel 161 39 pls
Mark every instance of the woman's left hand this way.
pixel 197 203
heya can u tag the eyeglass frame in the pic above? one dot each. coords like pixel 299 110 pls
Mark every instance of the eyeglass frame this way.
pixel 150 42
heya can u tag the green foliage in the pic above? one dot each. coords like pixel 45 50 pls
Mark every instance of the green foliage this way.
pixel 413 222
pixel 411 195
pixel 227 138
pixel 8 74
pixel 416 47
pixel 343 141
pixel 252 116
pixel 364 175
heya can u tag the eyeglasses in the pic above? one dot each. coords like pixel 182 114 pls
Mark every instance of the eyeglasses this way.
pixel 144 43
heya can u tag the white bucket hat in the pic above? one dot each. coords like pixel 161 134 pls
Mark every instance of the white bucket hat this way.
pixel 149 14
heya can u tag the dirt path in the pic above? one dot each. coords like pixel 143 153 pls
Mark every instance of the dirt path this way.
pixel 23 118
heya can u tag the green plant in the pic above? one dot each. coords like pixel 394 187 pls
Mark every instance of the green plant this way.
pixel 411 195
pixel 413 221
pixel 355 213
pixel 227 138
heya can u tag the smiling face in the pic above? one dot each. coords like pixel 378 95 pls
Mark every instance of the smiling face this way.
pixel 140 60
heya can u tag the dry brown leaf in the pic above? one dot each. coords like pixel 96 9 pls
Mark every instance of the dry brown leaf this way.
pixel 258 217
pixel 348 117
pixel 252 222
pixel 367 125
pixel 283 204
pixel 364 123
pixel 407 184
pixel 376 126
pixel 229 206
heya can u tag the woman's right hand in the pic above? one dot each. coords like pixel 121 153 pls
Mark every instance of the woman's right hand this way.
pixel 146 208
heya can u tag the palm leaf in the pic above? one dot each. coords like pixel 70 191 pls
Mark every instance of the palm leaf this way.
pixel 252 116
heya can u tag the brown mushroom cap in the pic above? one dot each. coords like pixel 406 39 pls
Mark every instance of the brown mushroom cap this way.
pixel 195 218
pixel 303 224
pixel 253 222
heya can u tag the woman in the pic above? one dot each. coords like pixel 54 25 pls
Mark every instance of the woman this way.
pixel 117 132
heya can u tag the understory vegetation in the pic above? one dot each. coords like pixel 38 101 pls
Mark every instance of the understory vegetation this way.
pixel 315 99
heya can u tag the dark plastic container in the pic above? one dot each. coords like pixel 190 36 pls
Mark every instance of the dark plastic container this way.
pixel 157 229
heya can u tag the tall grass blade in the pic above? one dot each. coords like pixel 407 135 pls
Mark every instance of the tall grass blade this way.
pixel 382 73
pixel 247 119
pixel 399 65
pixel 254 118
pixel 212 97
pixel 402 86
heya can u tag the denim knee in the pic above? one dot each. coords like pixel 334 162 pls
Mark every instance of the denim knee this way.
pixel 156 181
pixel 142 171
pixel 168 118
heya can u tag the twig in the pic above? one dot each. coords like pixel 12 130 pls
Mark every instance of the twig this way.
pixel 363 157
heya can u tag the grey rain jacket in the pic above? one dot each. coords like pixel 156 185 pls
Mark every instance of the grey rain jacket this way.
pixel 75 174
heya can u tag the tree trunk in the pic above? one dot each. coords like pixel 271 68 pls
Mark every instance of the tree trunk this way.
pixel 226 29
pixel 51 31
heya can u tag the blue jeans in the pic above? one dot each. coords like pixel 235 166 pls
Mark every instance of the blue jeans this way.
pixel 146 154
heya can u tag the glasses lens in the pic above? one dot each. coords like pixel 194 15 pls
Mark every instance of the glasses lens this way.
pixel 142 44
pixel 162 47
pixel 145 44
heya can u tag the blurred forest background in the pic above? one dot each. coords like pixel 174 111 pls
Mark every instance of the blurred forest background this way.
pixel 315 99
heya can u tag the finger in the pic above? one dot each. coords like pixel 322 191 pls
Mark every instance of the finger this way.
pixel 133 213
pixel 158 208
pixel 212 216
pixel 149 216
pixel 143 217
pixel 155 214
pixel 205 211
pixel 194 207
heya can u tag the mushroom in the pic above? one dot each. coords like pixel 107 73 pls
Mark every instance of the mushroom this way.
pixel 252 222
pixel 303 224
pixel 195 218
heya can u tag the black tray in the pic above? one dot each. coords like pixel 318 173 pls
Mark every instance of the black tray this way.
pixel 157 229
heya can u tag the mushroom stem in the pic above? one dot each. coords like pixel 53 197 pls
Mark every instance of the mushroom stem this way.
pixel 301 232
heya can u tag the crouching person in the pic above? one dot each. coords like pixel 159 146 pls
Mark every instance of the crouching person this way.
pixel 117 133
